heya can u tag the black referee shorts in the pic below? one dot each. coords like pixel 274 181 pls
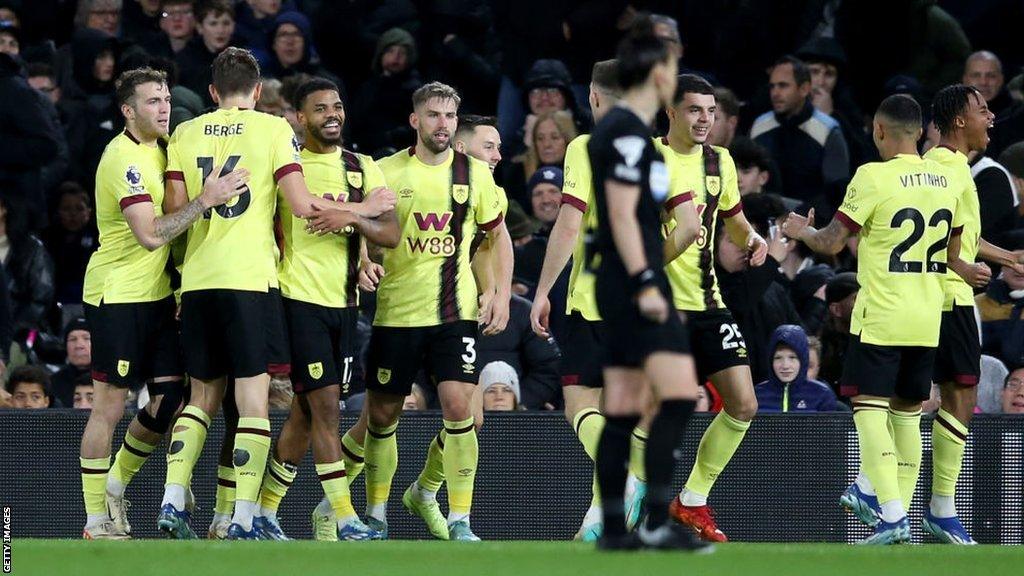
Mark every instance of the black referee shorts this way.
pixel 631 337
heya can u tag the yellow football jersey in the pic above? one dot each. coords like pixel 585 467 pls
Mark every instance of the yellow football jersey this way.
pixel 958 291
pixel 428 280
pixel 232 246
pixel 324 269
pixel 578 192
pixel 692 274
pixel 904 211
pixel 122 270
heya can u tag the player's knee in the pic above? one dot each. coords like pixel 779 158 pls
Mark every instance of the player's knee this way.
pixel 744 409
pixel 110 413
pixel 381 414
pixel 167 402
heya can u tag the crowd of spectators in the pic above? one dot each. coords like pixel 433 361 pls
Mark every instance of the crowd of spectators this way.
pixel 794 88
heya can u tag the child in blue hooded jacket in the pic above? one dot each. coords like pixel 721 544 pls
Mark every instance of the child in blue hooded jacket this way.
pixel 788 389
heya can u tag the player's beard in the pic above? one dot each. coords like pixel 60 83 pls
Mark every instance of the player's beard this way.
pixel 435 147
pixel 317 132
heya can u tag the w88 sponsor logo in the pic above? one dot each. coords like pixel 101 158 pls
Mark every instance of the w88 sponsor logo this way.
pixel 433 245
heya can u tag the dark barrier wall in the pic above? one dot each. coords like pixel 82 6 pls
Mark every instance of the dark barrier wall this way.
pixel 534 478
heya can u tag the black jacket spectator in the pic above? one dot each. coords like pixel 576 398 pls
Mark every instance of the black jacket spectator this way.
pixel 535 29
pixel 194 70
pixel 137 27
pixel 760 304
pixel 71 239
pixel 380 119
pixel 28 138
pixel 78 362
pixel 463 50
pixel 1007 131
pixel 29 271
pixel 6 325
pixel 809 150
pixel 94 97
pixel 1001 308
pixel 347 33
pixel 535 360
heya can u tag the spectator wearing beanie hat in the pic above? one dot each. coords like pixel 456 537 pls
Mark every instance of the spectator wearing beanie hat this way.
pixel 78 344
pixel 380 119
pixel 545 188
pixel 290 50
pixel 499 387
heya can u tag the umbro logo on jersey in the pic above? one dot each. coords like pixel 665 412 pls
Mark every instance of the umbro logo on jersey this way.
pixel 405 193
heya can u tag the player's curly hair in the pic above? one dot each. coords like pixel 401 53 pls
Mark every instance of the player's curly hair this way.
pixel 950 102
pixel 130 80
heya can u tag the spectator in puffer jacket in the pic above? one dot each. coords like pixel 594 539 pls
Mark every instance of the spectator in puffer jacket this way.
pixel 1001 308
pixel 788 389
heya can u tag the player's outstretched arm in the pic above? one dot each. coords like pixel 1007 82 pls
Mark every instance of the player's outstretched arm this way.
pixel 560 246
pixel 742 233
pixel 304 204
pixel 829 240
pixel 381 230
pixel 992 253
pixel 153 232
pixel 686 231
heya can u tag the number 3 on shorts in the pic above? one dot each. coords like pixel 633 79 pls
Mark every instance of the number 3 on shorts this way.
pixel 732 337
pixel 470 356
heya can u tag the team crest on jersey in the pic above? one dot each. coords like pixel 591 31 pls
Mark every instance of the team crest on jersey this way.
pixel 713 184
pixel 122 367
pixel 355 179
pixel 461 193
pixel 383 375
pixel 316 370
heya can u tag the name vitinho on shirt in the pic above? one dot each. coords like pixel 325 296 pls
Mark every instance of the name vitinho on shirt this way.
pixel 923 179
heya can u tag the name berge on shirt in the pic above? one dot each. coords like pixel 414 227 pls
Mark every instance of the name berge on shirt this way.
pixel 223 129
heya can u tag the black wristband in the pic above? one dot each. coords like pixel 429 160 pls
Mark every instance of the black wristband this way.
pixel 644 279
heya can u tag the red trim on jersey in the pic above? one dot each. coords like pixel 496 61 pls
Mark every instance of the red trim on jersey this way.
pixel 131 136
pixel 492 224
pixel 100 376
pixel 957 231
pixel 134 199
pixel 683 198
pixel 570 379
pixel 574 202
pixel 732 211
pixel 848 222
pixel 174 175
pixel 948 147
pixel 287 169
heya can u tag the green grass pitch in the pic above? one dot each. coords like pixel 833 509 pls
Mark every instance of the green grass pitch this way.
pixel 305 558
